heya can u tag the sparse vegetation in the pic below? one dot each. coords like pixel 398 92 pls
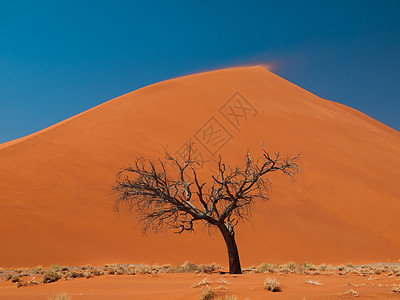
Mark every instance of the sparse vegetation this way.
pixel 313 282
pixel 203 282
pixel 37 269
pixel 351 293
pixel 60 296
pixel 32 281
pixel 291 266
pixel 55 268
pixel 223 281
pixel 272 285
pixel 207 293
pixel 56 272
pixel 51 276
pixel 266 268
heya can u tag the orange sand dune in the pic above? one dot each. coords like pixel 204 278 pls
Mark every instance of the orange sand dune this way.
pixel 55 185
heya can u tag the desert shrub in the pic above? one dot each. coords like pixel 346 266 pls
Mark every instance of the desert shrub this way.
pixel 350 266
pixel 37 269
pixel 1 270
pixel 266 268
pixel 186 267
pixel 60 296
pixel 207 293
pixel 51 276
pixel 75 273
pixel 322 267
pixel 309 266
pixel 15 278
pixel 272 285
pixel 144 269
pixel 25 272
pixel 120 271
pixel 87 274
pixel 86 267
pixel 206 268
pixel 396 288
pixel 394 270
pixel 365 269
pixel 351 293
pixel 21 284
pixel 97 272
pixel 130 270
pixel 8 277
pixel 223 281
pixel 202 283
pixel 110 269
pixel 313 282
pixel 32 281
pixel 291 266
pixel 55 268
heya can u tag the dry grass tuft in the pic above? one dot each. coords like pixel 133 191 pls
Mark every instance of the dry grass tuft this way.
pixel 51 276
pixel 207 294
pixel 396 288
pixel 32 281
pixel 60 296
pixel 272 285
pixel 202 283
pixel 37 269
pixel 189 267
pixel 223 281
pixel 351 293
pixel 266 268
pixel 313 282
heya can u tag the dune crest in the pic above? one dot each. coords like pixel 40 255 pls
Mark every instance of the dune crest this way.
pixel 56 200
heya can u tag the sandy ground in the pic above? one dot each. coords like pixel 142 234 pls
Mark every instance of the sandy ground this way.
pixel 56 199
pixel 180 286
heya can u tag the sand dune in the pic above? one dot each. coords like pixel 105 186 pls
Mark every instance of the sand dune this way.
pixel 55 185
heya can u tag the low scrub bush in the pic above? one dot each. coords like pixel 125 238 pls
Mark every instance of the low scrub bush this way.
pixel 396 288
pixel 60 296
pixel 201 283
pixel 51 276
pixel 313 282
pixel 207 293
pixel 272 285
pixel 351 293
pixel 266 268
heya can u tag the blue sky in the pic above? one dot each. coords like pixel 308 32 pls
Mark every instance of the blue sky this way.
pixel 59 58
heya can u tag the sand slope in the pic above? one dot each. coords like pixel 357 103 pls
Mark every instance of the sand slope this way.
pixel 55 185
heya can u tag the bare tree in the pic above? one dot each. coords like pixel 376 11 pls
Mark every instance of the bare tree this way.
pixel 169 196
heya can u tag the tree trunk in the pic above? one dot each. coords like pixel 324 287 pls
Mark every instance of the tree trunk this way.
pixel 233 254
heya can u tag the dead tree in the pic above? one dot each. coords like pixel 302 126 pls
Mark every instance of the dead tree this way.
pixel 172 196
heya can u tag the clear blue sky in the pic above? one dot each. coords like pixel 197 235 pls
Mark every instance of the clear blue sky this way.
pixel 59 58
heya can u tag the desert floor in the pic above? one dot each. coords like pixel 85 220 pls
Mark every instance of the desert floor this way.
pixel 180 286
